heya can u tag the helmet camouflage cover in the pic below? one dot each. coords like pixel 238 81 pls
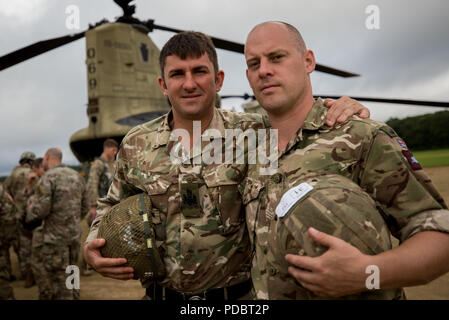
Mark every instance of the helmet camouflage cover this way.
pixel 332 204
pixel 27 155
pixel 129 233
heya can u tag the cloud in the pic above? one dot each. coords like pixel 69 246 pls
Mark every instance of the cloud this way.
pixel 43 100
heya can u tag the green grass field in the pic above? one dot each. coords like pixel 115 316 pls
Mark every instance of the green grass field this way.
pixel 432 158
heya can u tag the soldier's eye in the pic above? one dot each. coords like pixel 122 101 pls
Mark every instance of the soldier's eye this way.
pixel 253 65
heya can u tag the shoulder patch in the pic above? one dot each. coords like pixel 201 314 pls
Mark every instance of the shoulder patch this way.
pixel 402 143
pixel 411 160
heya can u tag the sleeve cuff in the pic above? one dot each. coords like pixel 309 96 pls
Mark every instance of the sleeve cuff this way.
pixel 432 220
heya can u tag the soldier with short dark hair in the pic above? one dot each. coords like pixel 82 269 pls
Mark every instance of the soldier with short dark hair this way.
pixel 60 202
pixel 100 175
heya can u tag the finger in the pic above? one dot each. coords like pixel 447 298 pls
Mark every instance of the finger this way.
pixel 303 276
pixel 329 102
pixel 127 276
pixel 101 262
pixel 323 238
pixel 347 113
pixel 115 270
pixel 303 262
pixel 96 243
pixel 333 113
pixel 364 114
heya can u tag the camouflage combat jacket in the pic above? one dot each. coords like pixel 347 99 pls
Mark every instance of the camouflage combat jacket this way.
pixel 369 153
pixel 199 206
pixel 100 178
pixel 60 200
pixel 16 184
pixel 8 219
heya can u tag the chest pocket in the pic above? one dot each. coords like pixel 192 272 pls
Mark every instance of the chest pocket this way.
pixel 223 188
pixel 251 200
pixel 159 191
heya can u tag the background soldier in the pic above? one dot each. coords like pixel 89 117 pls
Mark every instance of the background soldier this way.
pixel 60 202
pixel 8 220
pixel 100 176
pixel 36 260
pixel 99 180
pixel 16 185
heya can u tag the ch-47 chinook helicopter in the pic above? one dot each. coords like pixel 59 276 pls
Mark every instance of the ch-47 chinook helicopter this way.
pixel 122 67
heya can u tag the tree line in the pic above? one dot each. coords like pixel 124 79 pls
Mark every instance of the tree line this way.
pixel 429 131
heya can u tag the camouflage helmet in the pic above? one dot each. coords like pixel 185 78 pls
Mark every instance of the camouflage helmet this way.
pixel 337 206
pixel 27 155
pixel 129 233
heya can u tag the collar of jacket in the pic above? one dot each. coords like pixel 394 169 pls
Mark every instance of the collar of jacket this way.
pixel 165 128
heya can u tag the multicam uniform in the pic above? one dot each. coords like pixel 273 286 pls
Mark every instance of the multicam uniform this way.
pixel 37 260
pixel 100 177
pixel 8 221
pixel 197 206
pixel 61 203
pixel 365 151
pixel 15 185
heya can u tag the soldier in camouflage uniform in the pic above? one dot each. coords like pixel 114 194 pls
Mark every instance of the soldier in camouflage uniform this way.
pixel 61 203
pixel 37 260
pixel 364 151
pixel 100 175
pixel 8 221
pixel 15 185
pixel 98 183
pixel 197 207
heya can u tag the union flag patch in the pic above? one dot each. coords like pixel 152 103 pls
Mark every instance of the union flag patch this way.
pixel 402 143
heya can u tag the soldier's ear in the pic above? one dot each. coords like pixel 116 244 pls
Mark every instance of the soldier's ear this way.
pixel 219 80
pixel 163 86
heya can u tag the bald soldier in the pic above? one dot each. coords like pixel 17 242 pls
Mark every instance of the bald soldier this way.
pixel 367 152
pixel 16 185
pixel 60 202
pixel 196 205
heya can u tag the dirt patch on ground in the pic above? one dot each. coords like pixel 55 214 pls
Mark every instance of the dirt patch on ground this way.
pixel 96 287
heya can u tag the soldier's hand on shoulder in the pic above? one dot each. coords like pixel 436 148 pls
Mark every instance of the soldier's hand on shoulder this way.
pixel 107 267
pixel 340 110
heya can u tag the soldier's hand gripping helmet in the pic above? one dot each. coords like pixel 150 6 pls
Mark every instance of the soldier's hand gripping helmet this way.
pixel 332 204
pixel 129 233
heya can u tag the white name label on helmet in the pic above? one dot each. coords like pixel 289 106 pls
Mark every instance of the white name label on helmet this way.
pixel 291 197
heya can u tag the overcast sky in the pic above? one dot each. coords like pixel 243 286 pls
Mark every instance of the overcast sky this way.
pixel 43 100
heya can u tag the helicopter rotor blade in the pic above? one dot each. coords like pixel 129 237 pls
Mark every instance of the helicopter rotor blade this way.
pixel 424 103
pixel 36 49
pixel 335 72
pixel 239 48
